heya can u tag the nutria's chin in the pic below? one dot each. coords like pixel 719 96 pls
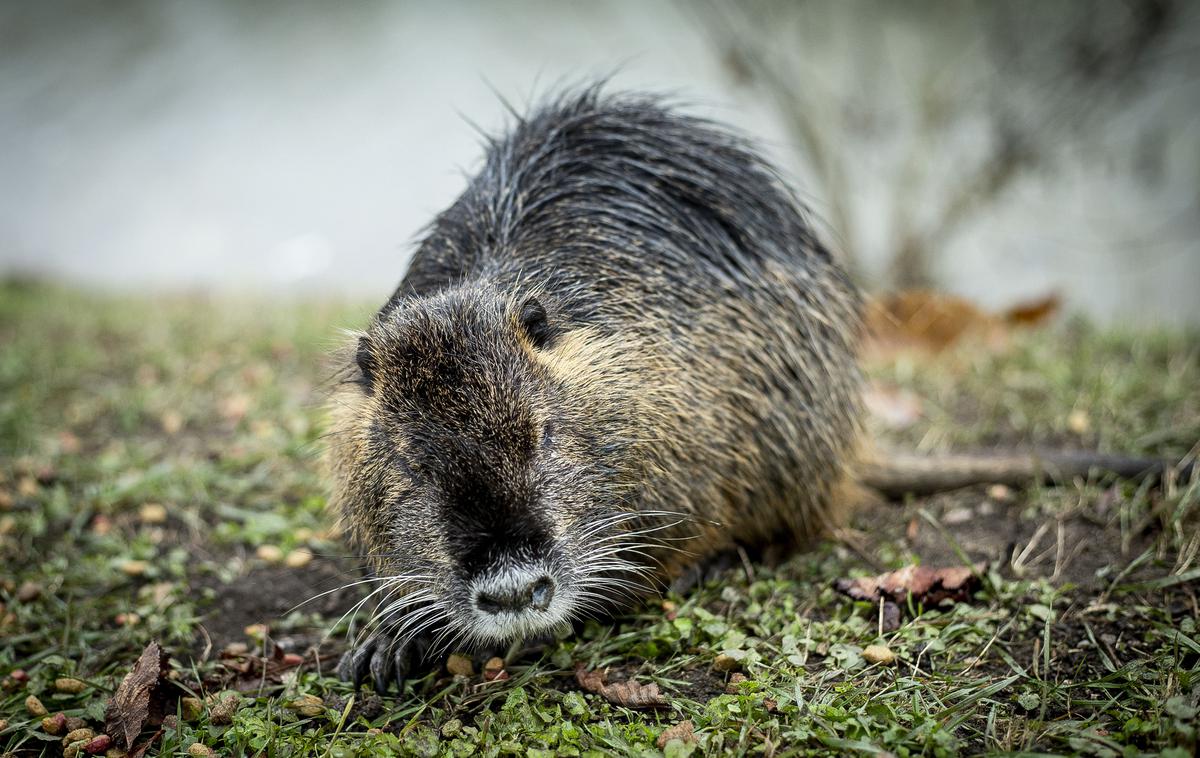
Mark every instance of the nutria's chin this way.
pixel 621 350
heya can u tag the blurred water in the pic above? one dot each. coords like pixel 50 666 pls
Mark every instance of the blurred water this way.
pixel 300 147
pixel 285 146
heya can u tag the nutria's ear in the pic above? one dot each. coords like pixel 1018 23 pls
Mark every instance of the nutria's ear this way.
pixel 535 322
pixel 366 363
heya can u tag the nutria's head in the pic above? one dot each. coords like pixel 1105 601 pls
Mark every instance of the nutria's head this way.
pixel 484 464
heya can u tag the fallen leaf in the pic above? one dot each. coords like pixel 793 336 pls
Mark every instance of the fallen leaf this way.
pixel 628 693
pixel 929 321
pixel 684 731
pixel 142 698
pixel 927 586
pixel 1034 312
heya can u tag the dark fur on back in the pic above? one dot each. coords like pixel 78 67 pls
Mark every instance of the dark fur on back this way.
pixel 623 333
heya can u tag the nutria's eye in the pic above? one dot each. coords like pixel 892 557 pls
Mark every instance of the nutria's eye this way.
pixel 366 363
pixel 536 323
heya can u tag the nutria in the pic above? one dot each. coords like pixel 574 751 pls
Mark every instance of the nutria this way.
pixel 621 350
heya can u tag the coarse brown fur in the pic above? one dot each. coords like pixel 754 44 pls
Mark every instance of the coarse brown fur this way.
pixel 623 349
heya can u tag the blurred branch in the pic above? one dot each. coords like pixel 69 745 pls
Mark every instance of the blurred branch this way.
pixel 1023 80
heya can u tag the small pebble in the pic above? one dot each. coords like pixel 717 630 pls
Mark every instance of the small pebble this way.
pixel 75 722
pixel 956 516
pixel 35 707
pixel 69 686
pixel 308 706
pixel 269 553
pixel 878 654
pixel 460 665
pixel 69 442
pixel 153 513
pixel 1000 492
pixel 292 659
pixel 298 558
pixel 29 591
pixel 101 525
pixel 134 567
pixel 236 648
pixel 97 744
pixel 200 750
pixel 128 619
pixel 79 735
pixel 172 422
pixel 56 724
pixel 725 662
pixel 192 707
pixel 221 713
pixel 494 664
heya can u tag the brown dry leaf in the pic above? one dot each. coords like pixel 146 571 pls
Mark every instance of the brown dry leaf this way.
pixel 1034 312
pixel 628 693
pixel 684 731
pixel 929 321
pixel 927 586
pixel 235 407
pixel 142 699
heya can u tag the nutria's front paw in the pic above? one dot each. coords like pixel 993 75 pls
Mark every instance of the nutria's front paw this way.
pixel 386 659
pixel 708 569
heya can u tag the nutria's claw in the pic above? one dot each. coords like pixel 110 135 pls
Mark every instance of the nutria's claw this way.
pixel 385 659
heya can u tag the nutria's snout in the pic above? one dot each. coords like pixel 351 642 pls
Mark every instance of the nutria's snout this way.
pixel 514 594
pixel 511 603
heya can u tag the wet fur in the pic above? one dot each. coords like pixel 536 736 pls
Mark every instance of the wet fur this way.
pixel 693 382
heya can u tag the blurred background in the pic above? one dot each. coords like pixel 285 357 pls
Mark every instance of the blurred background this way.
pixel 998 151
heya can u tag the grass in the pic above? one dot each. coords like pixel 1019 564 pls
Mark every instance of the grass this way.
pixel 1083 640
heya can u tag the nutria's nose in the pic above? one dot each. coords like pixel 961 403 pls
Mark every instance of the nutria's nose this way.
pixel 518 595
